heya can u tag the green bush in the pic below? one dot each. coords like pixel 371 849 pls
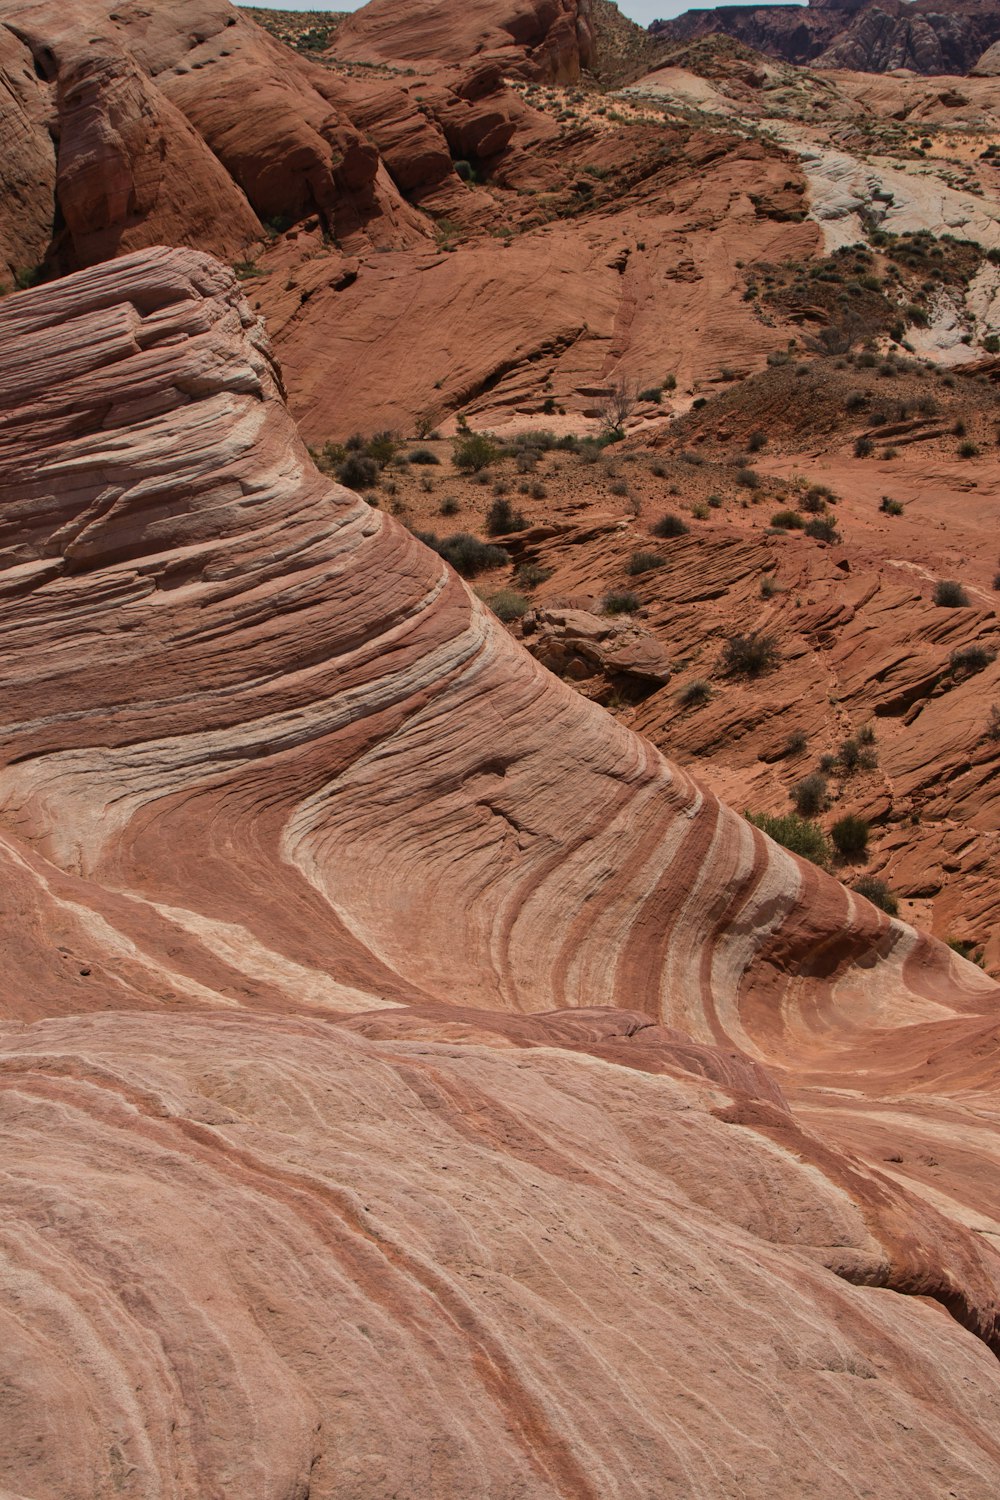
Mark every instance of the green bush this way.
pixel 796 834
pixel 669 525
pixel 822 529
pixel 508 605
pixel 473 452
pixel 383 448
pixel 950 594
pixel 528 575
pixel 749 655
pixel 620 602
pixel 467 554
pixel 967 660
pixel 358 472
pixel 643 562
pixel 878 893
pixel 809 795
pixel 502 517
pixel 787 520
pixel 850 837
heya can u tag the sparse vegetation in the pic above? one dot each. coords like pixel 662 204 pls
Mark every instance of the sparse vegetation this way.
pixel 965 661
pixel 508 605
pixel 474 451
pixel 809 795
pixel 620 602
pixel 950 594
pixel 669 525
pixel 643 562
pixel 749 655
pixel 502 517
pixel 467 554
pixel 695 694
pixel 850 837
pixel 799 835
pixel 878 893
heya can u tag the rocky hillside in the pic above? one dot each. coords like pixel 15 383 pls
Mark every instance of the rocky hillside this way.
pixel 406 1068
pixel 870 36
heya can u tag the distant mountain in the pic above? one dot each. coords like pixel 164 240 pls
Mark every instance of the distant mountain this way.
pixel 868 36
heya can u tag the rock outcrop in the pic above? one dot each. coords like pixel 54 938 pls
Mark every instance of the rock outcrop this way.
pixel 406 1070
pixel 871 36
pixel 545 39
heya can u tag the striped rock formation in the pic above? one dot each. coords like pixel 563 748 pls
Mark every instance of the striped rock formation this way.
pixel 411 1083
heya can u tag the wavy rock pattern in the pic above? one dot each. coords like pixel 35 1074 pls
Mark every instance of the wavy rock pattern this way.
pixel 308 1191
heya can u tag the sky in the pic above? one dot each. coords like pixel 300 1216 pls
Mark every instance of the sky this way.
pixel 642 11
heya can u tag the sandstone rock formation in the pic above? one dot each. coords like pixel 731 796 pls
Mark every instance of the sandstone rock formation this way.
pixel 413 1084
pixel 548 39
pixel 877 36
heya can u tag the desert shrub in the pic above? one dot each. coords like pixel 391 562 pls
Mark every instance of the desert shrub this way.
pixel 467 554
pixel 769 587
pixel 787 520
pixel 538 490
pixel 878 893
pixel 669 525
pixel 508 605
pixel 968 450
pixel 423 456
pixel 383 448
pixel 748 478
pixel 643 562
pixel 528 575
pixel 358 472
pixel 796 834
pixel 967 660
pixel 822 529
pixel 863 447
pixel 699 511
pixel 865 735
pixel 891 507
pixel 694 694
pixel 474 451
pixel 756 441
pixel 619 487
pixel 809 795
pixel 796 742
pixel 950 593
pixel 992 731
pixel 449 506
pixel 715 502
pixel 812 503
pixel 850 837
pixel 502 517
pixel 749 655
pixel 652 393
pixel 620 602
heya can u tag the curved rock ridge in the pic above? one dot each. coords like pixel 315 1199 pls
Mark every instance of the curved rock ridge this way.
pixel 546 39
pixel 412 1084
pixel 162 524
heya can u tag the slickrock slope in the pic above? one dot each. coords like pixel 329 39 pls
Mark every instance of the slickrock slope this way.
pixel 547 39
pixel 307 1189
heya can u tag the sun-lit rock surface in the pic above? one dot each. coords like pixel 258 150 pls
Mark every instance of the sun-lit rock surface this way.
pixel 306 1190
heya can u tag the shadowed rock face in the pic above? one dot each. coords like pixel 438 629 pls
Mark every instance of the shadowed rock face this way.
pixel 870 36
pixel 411 1083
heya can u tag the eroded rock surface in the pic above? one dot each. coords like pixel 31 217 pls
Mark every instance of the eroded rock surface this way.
pixel 406 1070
